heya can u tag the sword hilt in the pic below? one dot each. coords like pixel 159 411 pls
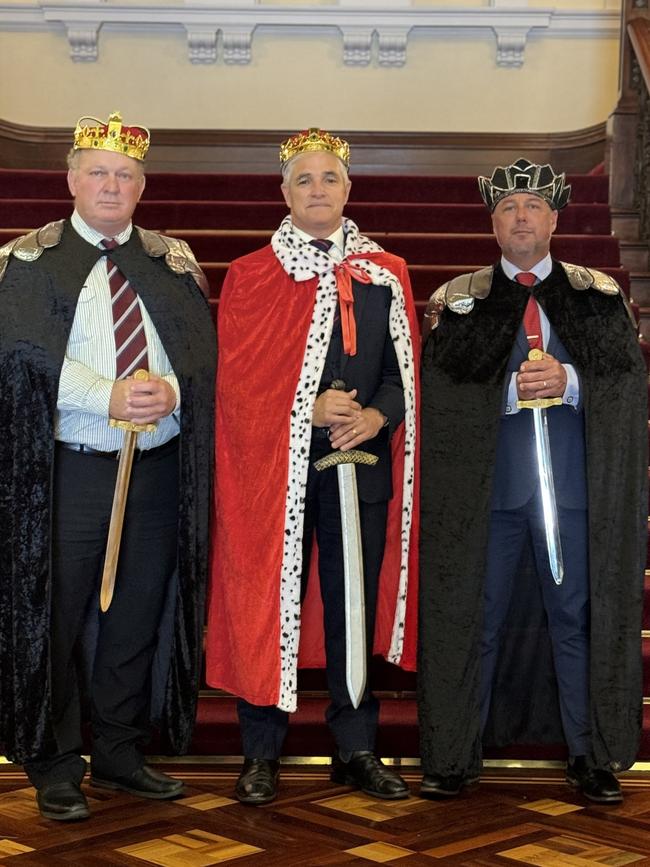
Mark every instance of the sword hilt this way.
pixel 142 375
pixel 539 402
pixel 353 456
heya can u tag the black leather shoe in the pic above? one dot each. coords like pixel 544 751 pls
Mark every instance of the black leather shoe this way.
pixel 64 802
pixel 258 781
pixel 145 783
pixel 436 786
pixel 369 774
pixel 596 784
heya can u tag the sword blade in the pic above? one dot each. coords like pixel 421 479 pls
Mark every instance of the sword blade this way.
pixel 549 505
pixel 117 519
pixel 355 610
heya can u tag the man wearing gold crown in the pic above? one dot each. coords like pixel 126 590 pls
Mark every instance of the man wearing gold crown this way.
pixel 85 302
pixel 534 506
pixel 318 354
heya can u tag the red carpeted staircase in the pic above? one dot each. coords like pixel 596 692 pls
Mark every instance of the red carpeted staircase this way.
pixel 440 226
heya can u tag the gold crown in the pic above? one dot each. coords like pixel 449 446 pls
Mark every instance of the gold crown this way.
pixel 314 139
pixel 93 134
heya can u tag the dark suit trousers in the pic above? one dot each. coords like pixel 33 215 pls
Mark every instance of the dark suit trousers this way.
pixel 263 729
pixel 126 635
pixel 567 608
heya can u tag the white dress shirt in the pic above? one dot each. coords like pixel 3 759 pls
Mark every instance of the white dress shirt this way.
pixel 88 370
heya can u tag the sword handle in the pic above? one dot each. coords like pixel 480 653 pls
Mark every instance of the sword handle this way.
pixel 141 375
pixel 540 402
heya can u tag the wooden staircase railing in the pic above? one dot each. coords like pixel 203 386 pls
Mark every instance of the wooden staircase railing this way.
pixel 628 155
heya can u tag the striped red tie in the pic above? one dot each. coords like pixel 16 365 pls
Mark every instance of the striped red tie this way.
pixel 532 323
pixel 128 327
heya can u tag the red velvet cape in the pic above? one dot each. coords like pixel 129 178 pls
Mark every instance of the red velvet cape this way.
pixel 264 318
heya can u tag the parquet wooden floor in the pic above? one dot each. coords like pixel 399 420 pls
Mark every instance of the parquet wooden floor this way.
pixel 513 817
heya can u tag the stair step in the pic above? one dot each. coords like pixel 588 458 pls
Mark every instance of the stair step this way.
pixel 217 731
pixel 217 727
pixel 39 184
pixel 425 279
pixel 172 215
pixel 640 288
pixel 634 256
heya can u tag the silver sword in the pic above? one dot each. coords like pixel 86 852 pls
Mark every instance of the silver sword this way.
pixel 545 470
pixel 355 609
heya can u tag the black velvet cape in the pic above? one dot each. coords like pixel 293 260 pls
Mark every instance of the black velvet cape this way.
pixel 37 306
pixel 464 367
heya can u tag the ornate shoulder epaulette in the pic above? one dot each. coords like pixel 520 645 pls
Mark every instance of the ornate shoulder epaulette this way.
pixel 458 295
pixel 178 255
pixel 588 278
pixel 29 247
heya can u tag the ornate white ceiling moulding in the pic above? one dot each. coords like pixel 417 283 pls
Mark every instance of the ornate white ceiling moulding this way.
pixel 357 45
pixel 83 42
pixel 392 46
pixel 237 44
pixel 372 31
pixel 511 45
pixel 201 44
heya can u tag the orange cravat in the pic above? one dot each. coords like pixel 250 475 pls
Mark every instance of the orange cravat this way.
pixel 344 272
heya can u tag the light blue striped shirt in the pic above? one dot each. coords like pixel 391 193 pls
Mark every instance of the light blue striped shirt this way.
pixel 88 371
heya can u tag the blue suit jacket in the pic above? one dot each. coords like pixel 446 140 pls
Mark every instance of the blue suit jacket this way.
pixel 516 477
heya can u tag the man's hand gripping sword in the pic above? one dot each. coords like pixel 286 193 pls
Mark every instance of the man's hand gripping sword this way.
pixel 355 612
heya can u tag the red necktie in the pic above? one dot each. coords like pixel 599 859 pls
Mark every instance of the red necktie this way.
pixel 532 324
pixel 128 327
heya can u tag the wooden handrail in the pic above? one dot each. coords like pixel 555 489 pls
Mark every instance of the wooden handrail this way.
pixel 639 32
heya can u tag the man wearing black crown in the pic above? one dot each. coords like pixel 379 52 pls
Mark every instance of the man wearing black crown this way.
pixel 533 540
pixel 86 304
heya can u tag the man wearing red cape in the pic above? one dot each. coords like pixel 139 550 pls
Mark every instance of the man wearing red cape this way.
pixel 294 317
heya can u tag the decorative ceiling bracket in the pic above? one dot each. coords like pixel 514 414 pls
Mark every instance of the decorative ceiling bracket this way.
pixel 202 44
pixel 392 45
pixel 237 42
pixel 82 39
pixel 357 45
pixel 511 45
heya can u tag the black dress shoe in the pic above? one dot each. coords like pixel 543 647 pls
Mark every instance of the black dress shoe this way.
pixel 437 786
pixel 145 782
pixel 369 774
pixel 64 802
pixel 596 784
pixel 258 781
